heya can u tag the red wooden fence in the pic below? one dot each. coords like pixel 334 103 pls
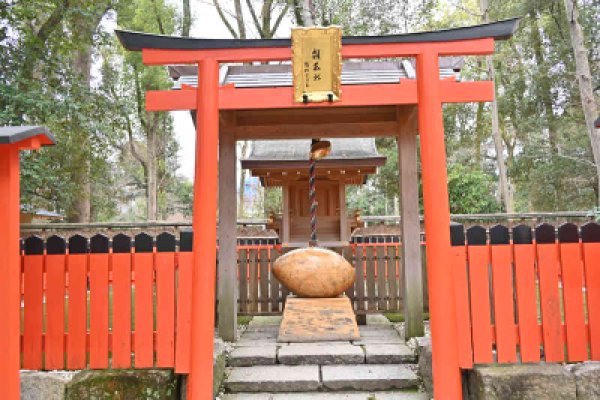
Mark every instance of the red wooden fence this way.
pixel 122 303
pixel 529 296
pixel 87 304
pixel 521 295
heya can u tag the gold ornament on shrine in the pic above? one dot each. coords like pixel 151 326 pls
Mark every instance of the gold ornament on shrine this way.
pixel 317 64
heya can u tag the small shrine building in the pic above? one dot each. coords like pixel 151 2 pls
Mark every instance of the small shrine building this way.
pixel 284 163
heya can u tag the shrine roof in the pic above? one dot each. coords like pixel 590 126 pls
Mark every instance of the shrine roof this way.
pixel 283 152
pixel 137 41
pixel 275 75
pixel 14 134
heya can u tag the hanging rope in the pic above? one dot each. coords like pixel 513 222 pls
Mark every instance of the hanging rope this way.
pixel 312 196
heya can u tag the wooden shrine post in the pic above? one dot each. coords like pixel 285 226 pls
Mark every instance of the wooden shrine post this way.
pixel 204 224
pixel 12 141
pixel 447 380
pixel 412 276
pixel 228 285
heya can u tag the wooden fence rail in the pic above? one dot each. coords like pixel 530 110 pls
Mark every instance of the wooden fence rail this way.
pixel 530 298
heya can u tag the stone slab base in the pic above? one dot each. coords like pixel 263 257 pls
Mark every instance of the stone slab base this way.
pixel 320 319
pixel 523 382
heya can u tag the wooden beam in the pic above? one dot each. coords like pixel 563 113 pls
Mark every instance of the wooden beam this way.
pixel 405 92
pixel 412 277
pixel 227 282
pixel 300 116
pixel 344 233
pixel 308 130
pixel 285 221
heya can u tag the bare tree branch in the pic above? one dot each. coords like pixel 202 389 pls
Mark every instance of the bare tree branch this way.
pixel 253 15
pixel 265 15
pixel 239 16
pixel 280 18
pixel 224 19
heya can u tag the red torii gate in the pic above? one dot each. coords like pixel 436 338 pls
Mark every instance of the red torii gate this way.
pixel 13 139
pixel 428 93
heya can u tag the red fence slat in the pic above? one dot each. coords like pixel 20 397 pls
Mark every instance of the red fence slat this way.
pixel 144 308
pixel 478 257
pixel 504 317
pixel 77 321
pixel 55 311
pixel 525 284
pixel 458 263
pixel 591 253
pixel 184 312
pixel 572 274
pixel 99 311
pixel 165 309
pixel 33 313
pixel 547 258
pixel 121 318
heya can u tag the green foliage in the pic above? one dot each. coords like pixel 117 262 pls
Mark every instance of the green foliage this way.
pixel 184 195
pixel 470 191
pixel 273 197
pixel 47 61
pixel 109 147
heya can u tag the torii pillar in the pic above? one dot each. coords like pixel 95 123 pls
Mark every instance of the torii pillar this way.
pixel 12 141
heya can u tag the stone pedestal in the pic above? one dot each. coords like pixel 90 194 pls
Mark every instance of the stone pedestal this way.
pixel 318 319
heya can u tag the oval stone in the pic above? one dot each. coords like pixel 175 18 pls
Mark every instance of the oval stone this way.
pixel 314 272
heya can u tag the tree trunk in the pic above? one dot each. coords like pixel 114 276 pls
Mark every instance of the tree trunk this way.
pixel 151 163
pixel 187 19
pixel 307 13
pixel 84 27
pixel 544 91
pixel 479 133
pixel 584 78
pixel 298 12
pixel 498 145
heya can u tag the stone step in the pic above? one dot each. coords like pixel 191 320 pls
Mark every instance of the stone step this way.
pixel 389 395
pixel 307 378
pixel 264 354
pixel 377 353
pixel 320 354
pixel 273 378
pixel 368 377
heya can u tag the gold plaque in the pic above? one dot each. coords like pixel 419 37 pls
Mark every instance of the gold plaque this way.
pixel 317 64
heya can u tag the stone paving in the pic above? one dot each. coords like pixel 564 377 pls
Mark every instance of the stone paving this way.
pixel 379 365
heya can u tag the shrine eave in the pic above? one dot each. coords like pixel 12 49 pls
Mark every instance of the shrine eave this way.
pixel 136 41
pixel 15 134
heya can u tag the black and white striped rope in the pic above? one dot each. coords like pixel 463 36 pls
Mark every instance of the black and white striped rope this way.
pixel 313 201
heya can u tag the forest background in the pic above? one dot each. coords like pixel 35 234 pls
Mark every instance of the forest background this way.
pixel 61 66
